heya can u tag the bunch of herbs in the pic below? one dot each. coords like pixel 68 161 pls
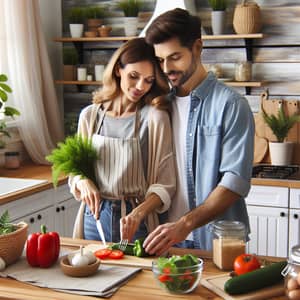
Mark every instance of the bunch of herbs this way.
pixel 5 225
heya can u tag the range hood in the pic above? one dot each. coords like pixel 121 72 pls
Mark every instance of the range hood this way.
pixel 165 5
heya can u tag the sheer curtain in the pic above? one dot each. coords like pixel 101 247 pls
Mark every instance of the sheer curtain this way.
pixel 23 46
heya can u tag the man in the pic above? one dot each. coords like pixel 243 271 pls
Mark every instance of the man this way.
pixel 213 131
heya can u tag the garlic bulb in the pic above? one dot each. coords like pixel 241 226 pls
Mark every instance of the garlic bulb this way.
pixel 90 255
pixel 2 264
pixel 80 260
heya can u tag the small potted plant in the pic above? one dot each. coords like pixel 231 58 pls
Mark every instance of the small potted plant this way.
pixel 94 16
pixel 131 10
pixel 5 111
pixel 218 16
pixel 280 124
pixel 76 19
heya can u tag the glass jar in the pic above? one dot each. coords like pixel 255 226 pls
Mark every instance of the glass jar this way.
pixel 292 274
pixel 243 71
pixel 229 241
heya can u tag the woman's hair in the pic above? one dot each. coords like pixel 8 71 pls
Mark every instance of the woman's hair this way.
pixel 133 51
pixel 176 23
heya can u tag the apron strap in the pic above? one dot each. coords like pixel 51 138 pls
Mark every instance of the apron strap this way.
pixel 100 121
pixel 137 123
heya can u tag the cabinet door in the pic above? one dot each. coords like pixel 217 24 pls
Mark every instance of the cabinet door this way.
pixel 295 198
pixel 35 220
pixel 294 227
pixel 269 231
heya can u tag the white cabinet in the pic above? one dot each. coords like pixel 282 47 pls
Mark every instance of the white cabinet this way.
pixel 65 210
pixel 294 218
pixel 268 209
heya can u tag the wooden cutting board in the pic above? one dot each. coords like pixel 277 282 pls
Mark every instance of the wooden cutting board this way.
pixel 216 284
pixel 127 260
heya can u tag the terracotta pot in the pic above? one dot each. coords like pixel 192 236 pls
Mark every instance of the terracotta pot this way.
pixel 69 72
pixel 247 18
pixel 90 34
pixel 93 24
pixel 104 31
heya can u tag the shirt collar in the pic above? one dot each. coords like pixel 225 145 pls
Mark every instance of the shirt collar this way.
pixel 202 90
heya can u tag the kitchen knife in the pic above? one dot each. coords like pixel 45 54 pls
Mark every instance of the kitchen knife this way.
pixel 100 231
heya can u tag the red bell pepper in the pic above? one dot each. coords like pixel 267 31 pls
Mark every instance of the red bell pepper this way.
pixel 42 249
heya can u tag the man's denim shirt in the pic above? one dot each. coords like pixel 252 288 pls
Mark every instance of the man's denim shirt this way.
pixel 219 150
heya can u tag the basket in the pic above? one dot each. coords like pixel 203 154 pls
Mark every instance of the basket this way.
pixel 12 244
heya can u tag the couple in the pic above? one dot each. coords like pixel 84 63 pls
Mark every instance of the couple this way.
pixel 211 136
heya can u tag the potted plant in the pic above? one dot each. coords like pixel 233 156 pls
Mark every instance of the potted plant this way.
pixel 218 16
pixel 70 60
pixel 131 10
pixel 5 111
pixel 76 19
pixel 94 16
pixel 280 150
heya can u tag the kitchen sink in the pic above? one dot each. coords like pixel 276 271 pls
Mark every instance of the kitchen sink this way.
pixel 11 185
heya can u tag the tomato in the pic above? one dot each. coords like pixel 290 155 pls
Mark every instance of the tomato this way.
pixel 165 278
pixel 102 253
pixel 116 254
pixel 245 263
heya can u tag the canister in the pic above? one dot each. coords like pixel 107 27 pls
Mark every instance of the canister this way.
pixel 292 274
pixel 243 71
pixel 229 241
pixel 12 160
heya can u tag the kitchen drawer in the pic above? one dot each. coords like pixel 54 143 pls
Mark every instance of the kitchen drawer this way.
pixel 268 196
pixel 294 198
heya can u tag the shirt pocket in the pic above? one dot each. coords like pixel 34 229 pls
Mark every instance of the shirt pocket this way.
pixel 209 142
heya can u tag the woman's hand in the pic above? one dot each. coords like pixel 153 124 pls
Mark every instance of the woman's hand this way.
pixel 129 225
pixel 89 194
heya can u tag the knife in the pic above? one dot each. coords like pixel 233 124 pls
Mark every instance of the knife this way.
pixel 100 231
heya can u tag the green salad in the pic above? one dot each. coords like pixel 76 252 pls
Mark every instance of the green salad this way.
pixel 177 273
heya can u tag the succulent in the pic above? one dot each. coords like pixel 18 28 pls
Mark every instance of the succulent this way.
pixel 218 4
pixel 130 8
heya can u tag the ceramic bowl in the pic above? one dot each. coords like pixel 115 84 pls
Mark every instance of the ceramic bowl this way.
pixel 90 34
pixel 104 30
pixel 82 271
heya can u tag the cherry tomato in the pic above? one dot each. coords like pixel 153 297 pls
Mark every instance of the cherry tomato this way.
pixel 116 254
pixel 103 253
pixel 245 263
pixel 165 278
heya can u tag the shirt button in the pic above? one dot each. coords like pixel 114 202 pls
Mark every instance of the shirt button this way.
pixel 194 200
pixel 195 109
pixel 191 170
pixel 191 134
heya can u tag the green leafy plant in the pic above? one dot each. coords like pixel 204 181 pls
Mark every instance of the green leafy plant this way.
pixel 218 4
pixel 76 15
pixel 94 12
pixel 75 156
pixel 130 8
pixel 5 111
pixel 280 124
pixel 5 225
pixel 70 56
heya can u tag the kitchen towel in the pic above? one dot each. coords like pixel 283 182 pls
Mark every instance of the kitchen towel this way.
pixel 102 284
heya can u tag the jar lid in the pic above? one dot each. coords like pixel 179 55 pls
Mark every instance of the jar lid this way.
pixel 295 253
pixel 231 227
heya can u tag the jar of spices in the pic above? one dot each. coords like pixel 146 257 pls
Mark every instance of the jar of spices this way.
pixel 12 160
pixel 229 241
pixel 243 71
pixel 292 274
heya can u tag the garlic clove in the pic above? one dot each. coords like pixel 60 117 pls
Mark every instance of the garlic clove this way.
pixel 2 264
pixel 90 255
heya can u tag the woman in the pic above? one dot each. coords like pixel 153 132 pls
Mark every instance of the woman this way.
pixel 130 128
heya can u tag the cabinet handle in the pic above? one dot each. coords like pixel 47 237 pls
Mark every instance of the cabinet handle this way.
pixel 57 209
pixel 62 208
pixel 282 214
pixel 39 217
pixel 31 220
pixel 296 216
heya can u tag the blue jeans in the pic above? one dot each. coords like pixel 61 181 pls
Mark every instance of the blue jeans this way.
pixel 110 215
pixel 185 244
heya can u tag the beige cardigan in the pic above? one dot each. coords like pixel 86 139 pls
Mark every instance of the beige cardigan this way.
pixel 161 177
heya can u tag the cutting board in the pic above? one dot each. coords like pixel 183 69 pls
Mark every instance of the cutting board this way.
pixel 216 284
pixel 127 260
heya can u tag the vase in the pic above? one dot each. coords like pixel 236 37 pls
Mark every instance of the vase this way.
pixel 76 30
pixel 218 21
pixel 130 26
pixel 281 153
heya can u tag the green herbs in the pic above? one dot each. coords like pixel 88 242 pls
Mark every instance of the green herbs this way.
pixel 178 274
pixel 5 225
pixel 280 124
pixel 218 4
pixel 76 156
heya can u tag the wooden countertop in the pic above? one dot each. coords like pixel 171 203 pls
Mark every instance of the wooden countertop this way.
pixel 32 171
pixel 143 286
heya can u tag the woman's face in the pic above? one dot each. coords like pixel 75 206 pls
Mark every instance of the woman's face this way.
pixel 136 80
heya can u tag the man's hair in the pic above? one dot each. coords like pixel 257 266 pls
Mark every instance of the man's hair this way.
pixel 178 23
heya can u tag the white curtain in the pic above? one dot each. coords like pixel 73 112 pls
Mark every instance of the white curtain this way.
pixel 23 45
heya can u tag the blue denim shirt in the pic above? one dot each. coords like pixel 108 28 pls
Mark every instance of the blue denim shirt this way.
pixel 219 150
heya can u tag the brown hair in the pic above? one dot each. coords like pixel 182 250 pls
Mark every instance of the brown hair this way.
pixel 176 23
pixel 135 50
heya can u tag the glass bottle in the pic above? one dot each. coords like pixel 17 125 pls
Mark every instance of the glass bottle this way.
pixel 292 274
pixel 229 241
pixel 243 71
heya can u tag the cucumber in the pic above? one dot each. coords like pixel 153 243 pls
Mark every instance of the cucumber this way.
pixel 128 250
pixel 256 279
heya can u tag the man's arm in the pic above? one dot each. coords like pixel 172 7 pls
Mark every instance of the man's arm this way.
pixel 166 235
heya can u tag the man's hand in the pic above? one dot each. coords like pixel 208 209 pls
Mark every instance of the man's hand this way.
pixel 164 237
pixel 90 195
pixel 129 225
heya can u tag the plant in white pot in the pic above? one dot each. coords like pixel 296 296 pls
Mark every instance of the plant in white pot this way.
pixel 5 111
pixel 131 10
pixel 76 17
pixel 218 16
pixel 280 151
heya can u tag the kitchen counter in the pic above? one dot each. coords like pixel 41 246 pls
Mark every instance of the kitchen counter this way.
pixel 143 286
pixel 32 171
